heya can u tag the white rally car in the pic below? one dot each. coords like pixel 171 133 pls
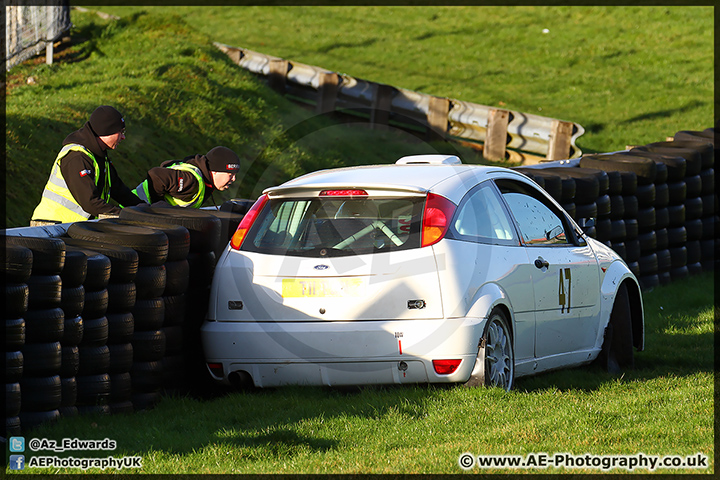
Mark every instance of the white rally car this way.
pixel 427 270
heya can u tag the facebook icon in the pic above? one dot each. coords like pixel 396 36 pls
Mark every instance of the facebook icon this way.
pixel 17 462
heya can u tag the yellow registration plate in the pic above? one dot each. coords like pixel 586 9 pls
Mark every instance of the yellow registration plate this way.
pixel 322 287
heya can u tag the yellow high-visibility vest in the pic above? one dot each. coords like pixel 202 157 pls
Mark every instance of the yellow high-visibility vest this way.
pixel 196 201
pixel 57 202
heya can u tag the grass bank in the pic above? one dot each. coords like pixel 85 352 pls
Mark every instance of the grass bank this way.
pixel 662 407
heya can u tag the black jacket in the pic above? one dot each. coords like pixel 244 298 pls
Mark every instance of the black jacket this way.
pixel 83 187
pixel 176 183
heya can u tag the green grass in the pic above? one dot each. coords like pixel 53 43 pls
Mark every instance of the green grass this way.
pixel 662 407
pixel 629 75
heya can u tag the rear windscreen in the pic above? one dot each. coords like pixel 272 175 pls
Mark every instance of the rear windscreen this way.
pixel 331 226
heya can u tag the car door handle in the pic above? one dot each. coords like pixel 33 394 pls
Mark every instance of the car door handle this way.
pixel 541 262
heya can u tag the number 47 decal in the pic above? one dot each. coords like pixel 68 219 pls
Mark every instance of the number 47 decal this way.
pixel 563 290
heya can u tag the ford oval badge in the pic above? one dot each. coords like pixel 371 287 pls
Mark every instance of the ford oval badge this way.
pixel 321 267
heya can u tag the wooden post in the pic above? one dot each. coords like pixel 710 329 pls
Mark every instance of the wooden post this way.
pixel 496 138
pixel 560 136
pixel 381 103
pixel 437 116
pixel 327 92
pixel 277 74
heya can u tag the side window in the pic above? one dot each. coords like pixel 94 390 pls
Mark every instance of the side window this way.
pixel 538 223
pixel 481 217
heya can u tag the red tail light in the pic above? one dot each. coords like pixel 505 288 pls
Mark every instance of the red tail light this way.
pixel 247 222
pixel 216 369
pixel 436 219
pixel 344 193
pixel 446 367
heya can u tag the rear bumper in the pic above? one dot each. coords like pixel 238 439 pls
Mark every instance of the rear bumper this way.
pixel 341 353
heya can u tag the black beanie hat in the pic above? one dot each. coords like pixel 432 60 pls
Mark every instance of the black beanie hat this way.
pixel 222 159
pixel 105 120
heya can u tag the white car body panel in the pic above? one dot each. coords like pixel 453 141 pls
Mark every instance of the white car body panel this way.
pixel 346 320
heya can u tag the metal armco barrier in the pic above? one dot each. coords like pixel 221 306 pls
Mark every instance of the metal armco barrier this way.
pixel 500 134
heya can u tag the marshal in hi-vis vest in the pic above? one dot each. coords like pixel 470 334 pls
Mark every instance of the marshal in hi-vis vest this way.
pixel 57 202
pixel 196 201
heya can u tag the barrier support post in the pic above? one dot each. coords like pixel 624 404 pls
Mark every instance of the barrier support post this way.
pixel 496 138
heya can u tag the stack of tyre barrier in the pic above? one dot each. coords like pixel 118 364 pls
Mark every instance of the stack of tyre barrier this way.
pixel 187 310
pixel 73 277
pixel 93 378
pixel 16 271
pixel 148 310
pixel 655 205
pixel 162 342
pixel 121 294
pixel 39 384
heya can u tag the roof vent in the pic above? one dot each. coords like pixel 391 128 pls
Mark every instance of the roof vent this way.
pixel 429 160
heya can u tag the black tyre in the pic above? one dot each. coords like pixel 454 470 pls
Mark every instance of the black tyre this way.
pixel 30 420
pixel 646 195
pixel 707 177
pixel 73 331
pixel 70 361
pixel 631 206
pixel 96 303
pixel 93 389
pixel 603 205
pixel 94 409
pixel 676 214
pixel 617 349
pixel 14 333
pixel 13 366
pixel 646 218
pixel 708 202
pixel 694 186
pixel 149 314
pixel 662 195
pixel 120 387
pixel 644 168
pixel 41 393
pixel 150 281
pixel 124 407
pixel 178 237
pixel 662 218
pixel 677 236
pixel 46 325
pixel 203 227
pixel 75 269
pixel 16 299
pixel 586 210
pixel 694 252
pixel 121 297
pixel 145 400
pixel 151 245
pixel 124 260
pixel 618 232
pixel 69 391
pixel 175 308
pixel 662 238
pixel 73 300
pixel 648 264
pixel 703 136
pixel 121 357
pixel 120 327
pixel 148 346
pixel 648 241
pixel 146 376
pixel 664 260
pixel 495 363
pixel 202 268
pixel 13 399
pixel 178 277
pixel 631 228
pixel 48 254
pixel 617 207
pixel 691 155
pixel 95 332
pixel 693 210
pixel 12 427
pixel 98 266
pixel 44 291
pixel 18 263
pixel 237 205
pixel 694 229
pixel 94 360
pixel 677 192
pixel 670 167
pixel 678 256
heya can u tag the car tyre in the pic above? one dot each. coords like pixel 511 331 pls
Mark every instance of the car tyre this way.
pixel 495 362
pixel 616 353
